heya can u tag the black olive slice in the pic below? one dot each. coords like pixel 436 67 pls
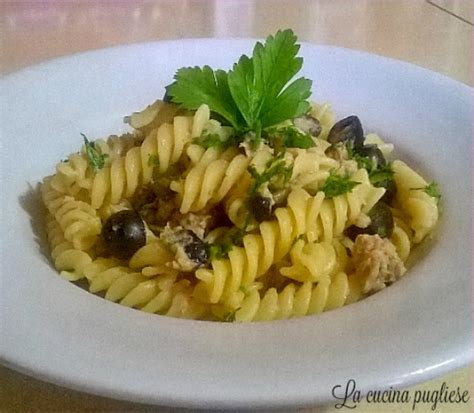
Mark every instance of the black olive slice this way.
pixel 347 130
pixel 260 207
pixel 124 234
pixel 195 248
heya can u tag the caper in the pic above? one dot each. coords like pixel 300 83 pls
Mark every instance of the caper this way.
pixel 124 234
pixel 347 130
pixel 381 220
pixel 260 207
pixel 374 154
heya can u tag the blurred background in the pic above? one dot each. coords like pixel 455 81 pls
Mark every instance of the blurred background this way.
pixel 434 34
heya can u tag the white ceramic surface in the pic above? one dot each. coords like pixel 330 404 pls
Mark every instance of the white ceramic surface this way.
pixel 416 329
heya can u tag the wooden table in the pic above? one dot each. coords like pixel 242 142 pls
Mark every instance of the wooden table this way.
pixel 434 34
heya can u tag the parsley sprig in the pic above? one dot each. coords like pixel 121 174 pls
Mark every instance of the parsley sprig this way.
pixel 96 161
pixel 256 93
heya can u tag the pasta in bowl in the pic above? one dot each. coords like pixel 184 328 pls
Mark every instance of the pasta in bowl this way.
pixel 227 207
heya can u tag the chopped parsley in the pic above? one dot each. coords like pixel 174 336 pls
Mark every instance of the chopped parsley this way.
pixel 96 161
pixel 381 175
pixel 256 93
pixel 378 175
pixel 363 161
pixel 243 289
pixel 236 236
pixel 337 185
pixel 218 251
pixel 230 316
pixel 213 140
pixel 289 137
pixel 432 190
pixel 153 160
pixel 301 237
pixel 276 167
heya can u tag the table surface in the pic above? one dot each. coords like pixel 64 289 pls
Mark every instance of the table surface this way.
pixel 434 34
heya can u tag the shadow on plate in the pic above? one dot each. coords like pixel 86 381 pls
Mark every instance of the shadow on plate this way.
pixel 32 204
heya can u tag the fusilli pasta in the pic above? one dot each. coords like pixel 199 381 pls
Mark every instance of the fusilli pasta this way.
pixel 232 232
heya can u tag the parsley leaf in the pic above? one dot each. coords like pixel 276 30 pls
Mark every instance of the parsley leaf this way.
pixel 255 93
pixel 96 161
pixel 258 84
pixel 432 190
pixel 337 185
pixel 194 86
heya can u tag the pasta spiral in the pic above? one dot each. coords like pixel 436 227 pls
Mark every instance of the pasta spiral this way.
pixel 71 176
pixel 256 256
pixel 74 174
pixel 326 117
pixel 211 178
pixel 162 294
pixel 295 301
pixel 163 146
pixel 70 262
pixel 313 262
pixel 323 219
pixel 77 219
pixel 315 217
pixel 421 208
pixel 188 217
pixel 311 167
pixel 402 238
pixel 153 259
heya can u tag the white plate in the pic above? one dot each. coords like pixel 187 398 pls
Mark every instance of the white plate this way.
pixel 416 329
